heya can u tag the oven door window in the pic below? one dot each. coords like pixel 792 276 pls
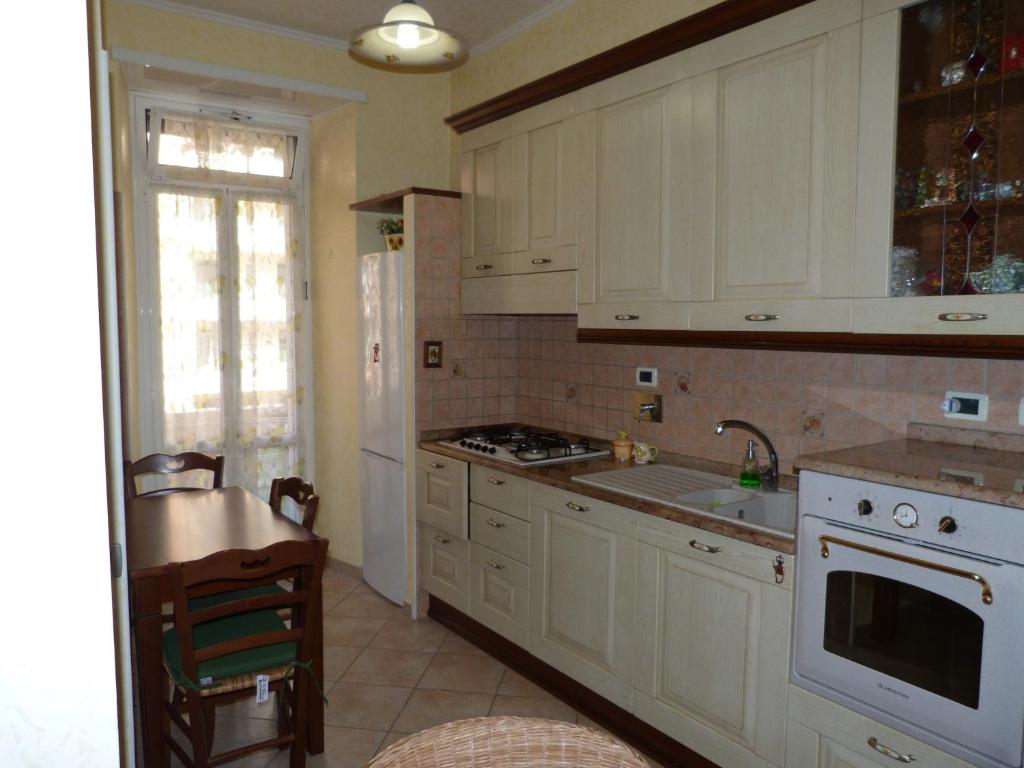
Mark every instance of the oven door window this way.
pixel 920 637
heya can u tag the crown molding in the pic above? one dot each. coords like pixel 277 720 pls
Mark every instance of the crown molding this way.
pixel 168 6
pixel 520 26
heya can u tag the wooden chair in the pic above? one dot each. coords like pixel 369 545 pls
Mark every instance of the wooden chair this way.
pixel 163 464
pixel 217 648
pixel 299 491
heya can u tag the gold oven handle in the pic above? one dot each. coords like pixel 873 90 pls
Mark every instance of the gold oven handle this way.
pixel 986 589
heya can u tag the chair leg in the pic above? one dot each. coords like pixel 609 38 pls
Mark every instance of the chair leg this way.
pixel 201 743
pixel 210 721
pixel 283 712
pixel 300 694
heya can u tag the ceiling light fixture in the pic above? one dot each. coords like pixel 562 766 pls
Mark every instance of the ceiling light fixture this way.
pixel 408 40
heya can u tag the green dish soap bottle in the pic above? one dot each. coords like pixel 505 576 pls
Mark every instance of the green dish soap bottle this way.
pixel 750 472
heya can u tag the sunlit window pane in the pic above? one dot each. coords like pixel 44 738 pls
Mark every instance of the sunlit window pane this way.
pixel 227 147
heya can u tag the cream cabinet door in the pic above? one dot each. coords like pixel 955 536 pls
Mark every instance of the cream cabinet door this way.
pixel 784 182
pixel 712 654
pixel 494 189
pixel 442 497
pixel 552 190
pixel 582 592
pixel 635 236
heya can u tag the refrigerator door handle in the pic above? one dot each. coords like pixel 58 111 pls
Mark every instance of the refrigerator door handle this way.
pixel 376 352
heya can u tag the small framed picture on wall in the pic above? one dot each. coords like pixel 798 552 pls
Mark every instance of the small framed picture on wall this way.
pixel 433 354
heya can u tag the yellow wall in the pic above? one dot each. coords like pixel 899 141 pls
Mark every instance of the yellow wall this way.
pixel 397 139
pixel 583 29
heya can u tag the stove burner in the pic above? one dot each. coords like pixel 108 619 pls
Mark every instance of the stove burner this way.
pixel 525 445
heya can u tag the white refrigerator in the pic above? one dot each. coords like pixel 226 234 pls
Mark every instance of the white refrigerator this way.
pixel 383 424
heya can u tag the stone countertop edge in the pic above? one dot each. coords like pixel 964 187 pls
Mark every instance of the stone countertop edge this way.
pixel 560 476
pixel 929 465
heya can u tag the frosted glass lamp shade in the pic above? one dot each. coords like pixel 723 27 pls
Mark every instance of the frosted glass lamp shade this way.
pixel 408 40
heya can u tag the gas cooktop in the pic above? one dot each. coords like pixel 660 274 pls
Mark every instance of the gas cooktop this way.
pixel 524 445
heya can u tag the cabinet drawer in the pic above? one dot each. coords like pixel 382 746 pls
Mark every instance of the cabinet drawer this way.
pixel 843 730
pixel 444 566
pixel 545 260
pixel 503 533
pixel 669 316
pixel 499 593
pixel 500 490
pixel 733 555
pixel 581 507
pixel 772 315
pixel 553 293
pixel 1002 314
pixel 487 266
pixel 441 493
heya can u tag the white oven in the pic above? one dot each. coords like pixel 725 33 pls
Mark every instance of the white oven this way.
pixel 910 610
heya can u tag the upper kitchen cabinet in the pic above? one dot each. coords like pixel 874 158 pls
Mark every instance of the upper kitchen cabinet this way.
pixel 940 229
pixel 521 220
pixel 783 141
pixel 639 209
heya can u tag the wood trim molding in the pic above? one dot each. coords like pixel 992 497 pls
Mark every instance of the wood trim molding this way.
pixel 727 16
pixel 642 736
pixel 391 202
pixel 1007 347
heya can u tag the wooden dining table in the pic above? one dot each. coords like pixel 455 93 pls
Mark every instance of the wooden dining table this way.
pixel 189 525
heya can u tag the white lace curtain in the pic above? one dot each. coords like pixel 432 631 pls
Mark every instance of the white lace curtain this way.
pixel 231 377
pixel 213 145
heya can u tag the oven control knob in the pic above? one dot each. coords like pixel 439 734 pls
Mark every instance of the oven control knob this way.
pixel 463 443
pixel 905 516
pixel 492 450
pixel 947 524
pixel 864 507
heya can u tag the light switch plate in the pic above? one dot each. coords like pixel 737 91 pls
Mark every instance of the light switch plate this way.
pixel 647 377
pixel 965 405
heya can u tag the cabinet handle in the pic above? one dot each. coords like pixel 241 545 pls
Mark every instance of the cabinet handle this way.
pixel 540 261
pixel 435 465
pixel 495 481
pixel 627 317
pixel 889 752
pixel 442 540
pixel 705 547
pixel 760 318
pixel 962 317
pixel 482 267
pixel 494 565
pixel 576 507
pixel 495 523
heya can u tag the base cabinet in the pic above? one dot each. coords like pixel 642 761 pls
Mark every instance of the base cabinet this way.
pixel 582 592
pixel 444 566
pixel 711 661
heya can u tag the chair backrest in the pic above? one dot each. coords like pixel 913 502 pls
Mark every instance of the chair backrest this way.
pixel 299 491
pixel 300 562
pixel 163 464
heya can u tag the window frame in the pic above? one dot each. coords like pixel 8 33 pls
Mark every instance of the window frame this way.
pixel 151 178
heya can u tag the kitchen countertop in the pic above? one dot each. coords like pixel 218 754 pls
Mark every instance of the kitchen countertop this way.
pixel 966 463
pixel 560 476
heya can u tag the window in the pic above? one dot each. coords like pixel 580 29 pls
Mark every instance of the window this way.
pixel 222 273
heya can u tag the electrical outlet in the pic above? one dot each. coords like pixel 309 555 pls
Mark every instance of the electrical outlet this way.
pixel 965 405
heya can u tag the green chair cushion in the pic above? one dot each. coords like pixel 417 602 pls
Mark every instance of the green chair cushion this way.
pixel 245 662
pixel 209 601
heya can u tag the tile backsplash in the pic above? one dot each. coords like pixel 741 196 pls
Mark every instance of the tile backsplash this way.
pixel 532 369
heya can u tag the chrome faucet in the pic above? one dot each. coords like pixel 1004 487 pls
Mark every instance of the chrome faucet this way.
pixel 769 474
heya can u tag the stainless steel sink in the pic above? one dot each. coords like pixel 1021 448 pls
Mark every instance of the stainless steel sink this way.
pixel 707 494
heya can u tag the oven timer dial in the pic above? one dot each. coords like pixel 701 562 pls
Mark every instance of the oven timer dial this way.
pixel 905 516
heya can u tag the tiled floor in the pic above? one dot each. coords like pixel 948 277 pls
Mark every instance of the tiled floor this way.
pixel 387 676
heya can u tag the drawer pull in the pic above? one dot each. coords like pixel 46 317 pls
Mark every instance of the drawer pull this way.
pixel 442 540
pixel 435 465
pixel 889 752
pixel 540 261
pixel 962 317
pixel 495 523
pixel 494 565
pixel 482 267
pixel 576 507
pixel 495 481
pixel 627 317
pixel 760 318
pixel 705 547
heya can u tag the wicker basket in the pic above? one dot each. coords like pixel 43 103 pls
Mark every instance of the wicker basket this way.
pixel 508 742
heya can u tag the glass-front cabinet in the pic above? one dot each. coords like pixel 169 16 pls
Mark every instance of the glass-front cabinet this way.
pixel 958 198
